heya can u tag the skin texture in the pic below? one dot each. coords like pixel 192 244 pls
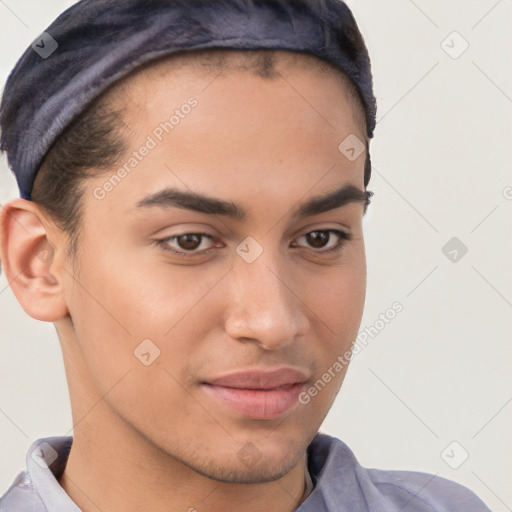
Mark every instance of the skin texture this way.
pixel 151 434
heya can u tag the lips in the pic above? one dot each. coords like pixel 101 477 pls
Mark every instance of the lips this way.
pixel 257 394
pixel 260 379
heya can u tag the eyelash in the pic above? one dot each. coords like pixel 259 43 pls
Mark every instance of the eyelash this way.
pixel 163 243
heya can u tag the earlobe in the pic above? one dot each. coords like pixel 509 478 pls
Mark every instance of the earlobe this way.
pixel 29 260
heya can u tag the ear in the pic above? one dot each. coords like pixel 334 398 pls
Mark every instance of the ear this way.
pixel 29 243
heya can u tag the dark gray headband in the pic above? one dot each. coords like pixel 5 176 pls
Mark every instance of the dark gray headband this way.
pixel 96 42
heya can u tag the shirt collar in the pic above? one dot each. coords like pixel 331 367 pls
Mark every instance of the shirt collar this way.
pixel 46 459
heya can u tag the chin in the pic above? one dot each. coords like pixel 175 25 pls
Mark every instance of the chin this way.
pixel 267 469
pixel 263 460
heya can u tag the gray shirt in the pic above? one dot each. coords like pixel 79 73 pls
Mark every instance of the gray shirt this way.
pixel 341 484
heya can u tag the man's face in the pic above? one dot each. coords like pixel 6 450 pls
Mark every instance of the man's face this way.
pixel 204 353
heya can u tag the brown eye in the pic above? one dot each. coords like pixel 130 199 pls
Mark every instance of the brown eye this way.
pixel 318 239
pixel 326 239
pixel 187 244
pixel 190 241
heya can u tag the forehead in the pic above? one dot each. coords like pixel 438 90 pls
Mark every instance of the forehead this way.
pixel 246 138
pixel 203 66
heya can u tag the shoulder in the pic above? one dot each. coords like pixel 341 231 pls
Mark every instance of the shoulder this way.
pixel 424 491
pixel 339 476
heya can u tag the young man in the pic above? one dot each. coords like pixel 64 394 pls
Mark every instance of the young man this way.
pixel 193 179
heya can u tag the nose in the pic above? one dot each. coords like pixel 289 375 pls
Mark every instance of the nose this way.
pixel 265 305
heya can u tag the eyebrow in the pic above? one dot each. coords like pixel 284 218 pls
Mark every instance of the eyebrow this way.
pixel 171 197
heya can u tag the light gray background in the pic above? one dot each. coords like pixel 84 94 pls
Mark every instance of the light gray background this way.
pixel 440 371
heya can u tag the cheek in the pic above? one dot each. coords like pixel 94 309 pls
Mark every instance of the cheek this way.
pixel 140 295
pixel 336 299
pixel 345 308
pixel 118 305
pixel 336 295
